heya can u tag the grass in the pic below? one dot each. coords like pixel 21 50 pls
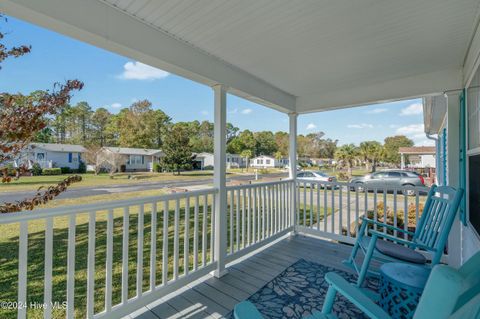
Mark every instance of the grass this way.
pixel 36 242
pixel 32 183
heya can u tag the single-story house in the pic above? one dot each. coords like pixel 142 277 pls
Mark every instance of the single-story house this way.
pixel 264 161
pixel 204 159
pixel 49 155
pixel 133 159
pixel 418 156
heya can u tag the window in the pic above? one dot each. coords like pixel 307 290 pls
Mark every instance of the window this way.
pixel 474 191
pixel 267 161
pixel 300 175
pixel 70 157
pixel 40 156
pixel 136 159
pixel 394 174
pixel 260 161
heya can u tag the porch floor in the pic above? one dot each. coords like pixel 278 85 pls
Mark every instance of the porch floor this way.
pixel 215 298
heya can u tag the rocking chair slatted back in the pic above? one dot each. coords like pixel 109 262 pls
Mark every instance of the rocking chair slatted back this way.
pixel 437 218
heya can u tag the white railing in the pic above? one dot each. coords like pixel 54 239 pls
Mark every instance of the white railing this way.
pixel 108 259
pixel 334 209
pixel 257 214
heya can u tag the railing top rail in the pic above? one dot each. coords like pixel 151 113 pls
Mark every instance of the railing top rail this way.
pixel 253 185
pixel 348 184
pixel 10 218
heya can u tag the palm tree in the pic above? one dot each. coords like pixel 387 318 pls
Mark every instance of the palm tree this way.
pixel 369 152
pixel 347 154
pixel 246 154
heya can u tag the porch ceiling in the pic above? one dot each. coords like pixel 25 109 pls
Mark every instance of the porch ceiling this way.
pixel 292 55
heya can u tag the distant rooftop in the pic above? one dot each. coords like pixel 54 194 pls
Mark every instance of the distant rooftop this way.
pixel 133 151
pixel 59 147
pixel 417 150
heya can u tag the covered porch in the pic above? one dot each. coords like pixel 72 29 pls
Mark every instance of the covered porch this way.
pixel 196 254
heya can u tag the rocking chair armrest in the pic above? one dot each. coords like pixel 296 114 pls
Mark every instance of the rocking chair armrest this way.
pixel 356 296
pixel 401 241
pixel 371 221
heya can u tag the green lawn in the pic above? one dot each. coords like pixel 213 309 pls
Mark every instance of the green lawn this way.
pixel 36 242
pixel 32 183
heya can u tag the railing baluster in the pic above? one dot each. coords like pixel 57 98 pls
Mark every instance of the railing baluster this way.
pixel 417 204
pixel 243 217
pixel 153 247
pixel 186 241
pixel 165 243
pixel 332 192
pixel 176 224
pixel 304 204
pixel 312 186
pixel 375 208
pixel 47 292
pixel 237 221
pixel 125 241
pixel 232 197
pixel 385 210
pixel 395 211
pixel 325 207
pixel 269 212
pixel 349 211
pixel 340 209
pixel 195 235
pixel 212 230
pixel 71 266
pixel 249 196
pixel 140 251
pixel 22 270
pixel 108 262
pixel 366 205
pixel 264 213
pixel 254 215
pixel 356 211
pixel 91 265
pixel 204 230
pixel 405 214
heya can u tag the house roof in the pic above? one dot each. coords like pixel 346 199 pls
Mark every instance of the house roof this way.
pixel 59 147
pixel 417 150
pixel 133 151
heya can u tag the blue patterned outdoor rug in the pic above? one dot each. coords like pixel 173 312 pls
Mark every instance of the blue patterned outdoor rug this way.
pixel 300 290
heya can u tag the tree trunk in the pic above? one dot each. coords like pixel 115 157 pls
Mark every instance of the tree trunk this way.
pixel 374 166
pixel 349 170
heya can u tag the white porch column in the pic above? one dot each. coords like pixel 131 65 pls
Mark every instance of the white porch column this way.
pixel 453 173
pixel 292 173
pixel 219 179
pixel 402 161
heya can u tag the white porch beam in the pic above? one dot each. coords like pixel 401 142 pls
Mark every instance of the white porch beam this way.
pixel 107 27
pixel 453 174
pixel 404 88
pixel 292 172
pixel 219 177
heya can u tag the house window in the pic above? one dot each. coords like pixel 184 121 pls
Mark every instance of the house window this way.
pixel 40 156
pixel 136 159
pixel 473 152
pixel 267 161
pixel 260 161
pixel 70 157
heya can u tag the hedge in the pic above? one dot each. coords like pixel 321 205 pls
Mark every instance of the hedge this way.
pixel 52 171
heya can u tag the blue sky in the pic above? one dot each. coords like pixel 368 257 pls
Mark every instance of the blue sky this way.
pixel 114 81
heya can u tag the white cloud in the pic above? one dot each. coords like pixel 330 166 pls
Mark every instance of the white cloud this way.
pixel 311 126
pixel 412 109
pixel 377 111
pixel 247 111
pixel 393 126
pixel 411 130
pixel 115 105
pixel 360 125
pixel 140 71
pixel 204 112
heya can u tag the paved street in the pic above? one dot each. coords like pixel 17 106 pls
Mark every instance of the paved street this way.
pixel 124 188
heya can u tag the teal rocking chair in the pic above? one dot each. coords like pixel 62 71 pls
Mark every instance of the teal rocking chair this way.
pixel 449 293
pixel 430 235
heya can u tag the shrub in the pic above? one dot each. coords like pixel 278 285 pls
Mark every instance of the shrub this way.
pixel 52 171
pixel 208 168
pixel 82 168
pixel 157 167
pixel 342 176
pixel 36 169
pixel 65 170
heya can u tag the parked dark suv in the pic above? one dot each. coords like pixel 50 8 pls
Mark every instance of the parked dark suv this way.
pixel 389 180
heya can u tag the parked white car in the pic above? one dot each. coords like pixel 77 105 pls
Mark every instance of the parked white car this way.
pixel 316 176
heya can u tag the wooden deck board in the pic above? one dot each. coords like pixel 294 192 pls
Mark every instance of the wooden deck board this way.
pixel 216 297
